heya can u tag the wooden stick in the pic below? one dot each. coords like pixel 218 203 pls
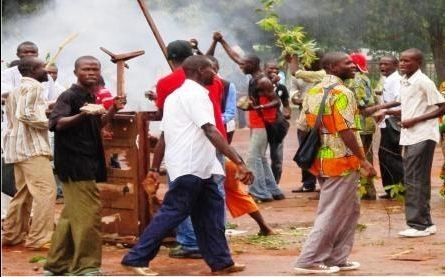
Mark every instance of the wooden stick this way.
pixel 59 50
pixel 154 29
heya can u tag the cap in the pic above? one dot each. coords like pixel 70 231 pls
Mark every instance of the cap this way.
pixel 360 61
pixel 179 49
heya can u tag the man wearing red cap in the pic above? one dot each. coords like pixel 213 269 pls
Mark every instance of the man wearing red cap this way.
pixel 365 96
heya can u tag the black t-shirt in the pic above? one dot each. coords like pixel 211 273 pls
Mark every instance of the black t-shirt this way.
pixel 78 150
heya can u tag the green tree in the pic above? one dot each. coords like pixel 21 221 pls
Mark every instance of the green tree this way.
pixel 402 24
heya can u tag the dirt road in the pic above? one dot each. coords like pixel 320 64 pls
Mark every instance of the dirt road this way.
pixel 377 246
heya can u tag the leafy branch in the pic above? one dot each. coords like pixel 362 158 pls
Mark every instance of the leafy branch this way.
pixel 291 40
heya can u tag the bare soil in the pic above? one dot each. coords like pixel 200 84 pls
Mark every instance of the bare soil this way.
pixel 377 246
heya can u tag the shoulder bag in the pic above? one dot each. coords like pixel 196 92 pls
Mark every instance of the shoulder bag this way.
pixel 309 146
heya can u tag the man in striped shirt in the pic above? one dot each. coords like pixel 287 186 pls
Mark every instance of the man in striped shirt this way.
pixel 26 145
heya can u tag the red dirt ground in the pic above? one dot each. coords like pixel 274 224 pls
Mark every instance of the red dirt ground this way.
pixel 377 246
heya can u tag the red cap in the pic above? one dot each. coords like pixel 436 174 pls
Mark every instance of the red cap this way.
pixel 360 61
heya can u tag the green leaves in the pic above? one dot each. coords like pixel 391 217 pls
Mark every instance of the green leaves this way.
pixel 37 259
pixel 396 191
pixel 291 40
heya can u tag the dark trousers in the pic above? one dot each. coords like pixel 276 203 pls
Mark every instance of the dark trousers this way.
pixel 276 159
pixel 307 179
pixel 390 156
pixel 417 162
pixel 187 195
pixel 8 181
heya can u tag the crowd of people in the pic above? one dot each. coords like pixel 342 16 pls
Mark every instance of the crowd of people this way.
pixel 197 108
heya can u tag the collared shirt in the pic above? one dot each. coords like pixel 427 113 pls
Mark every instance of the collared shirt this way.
pixel 187 149
pixel 334 158
pixel 78 151
pixel 360 85
pixel 10 79
pixel 26 135
pixel 174 80
pixel 391 87
pixel 391 92
pixel 419 95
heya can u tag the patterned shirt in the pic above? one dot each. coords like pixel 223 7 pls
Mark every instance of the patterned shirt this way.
pixel 26 135
pixel 334 158
pixel 365 97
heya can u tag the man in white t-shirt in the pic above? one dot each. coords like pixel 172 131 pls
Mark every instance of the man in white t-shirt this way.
pixel 189 140
pixel 421 105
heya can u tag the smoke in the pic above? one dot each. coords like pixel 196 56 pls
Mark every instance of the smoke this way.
pixel 120 27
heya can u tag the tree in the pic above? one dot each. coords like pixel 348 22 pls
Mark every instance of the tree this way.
pixel 403 24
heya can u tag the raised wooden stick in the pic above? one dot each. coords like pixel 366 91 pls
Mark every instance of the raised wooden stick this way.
pixel 154 29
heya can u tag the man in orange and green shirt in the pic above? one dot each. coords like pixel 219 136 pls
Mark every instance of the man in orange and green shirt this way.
pixel 337 166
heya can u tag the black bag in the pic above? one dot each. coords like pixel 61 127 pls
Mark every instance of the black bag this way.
pixel 277 130
pixel 308 149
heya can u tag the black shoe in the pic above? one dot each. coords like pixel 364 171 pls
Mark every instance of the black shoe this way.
pixel 279 197
pixel 303 189
pixel 181 253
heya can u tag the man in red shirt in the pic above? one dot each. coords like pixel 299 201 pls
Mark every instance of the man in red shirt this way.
pixel 177 52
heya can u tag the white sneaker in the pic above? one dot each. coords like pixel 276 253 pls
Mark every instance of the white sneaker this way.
pixel 432 229
pixel 414 233
pixel 317 269
pixel 349 265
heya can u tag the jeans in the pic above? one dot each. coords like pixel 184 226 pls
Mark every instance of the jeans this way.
pixel 264 186
pixel 185 234
pixel 276 160
pixel 199 198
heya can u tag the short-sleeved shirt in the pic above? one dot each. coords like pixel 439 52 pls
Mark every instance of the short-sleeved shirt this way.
pixel 360 85
pixel 78 151
pixel 187 149
pixel 419 95
pixel 334 158
pixel 174 80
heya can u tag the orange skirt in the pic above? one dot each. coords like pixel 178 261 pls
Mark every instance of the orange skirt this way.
pixel 237 200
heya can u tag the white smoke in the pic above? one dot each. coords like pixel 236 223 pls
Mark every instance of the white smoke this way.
pixel 117 25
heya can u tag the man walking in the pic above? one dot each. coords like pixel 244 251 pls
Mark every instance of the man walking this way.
pixel 26 145
pixel 189 139
pixel 337 165
pixel 79 161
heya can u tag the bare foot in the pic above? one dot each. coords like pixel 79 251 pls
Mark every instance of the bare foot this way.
pixel 268 232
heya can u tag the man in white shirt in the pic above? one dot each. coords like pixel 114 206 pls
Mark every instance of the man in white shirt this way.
pixel 390 151
pixel 10 77
pixel 421 105
pixel 190 140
